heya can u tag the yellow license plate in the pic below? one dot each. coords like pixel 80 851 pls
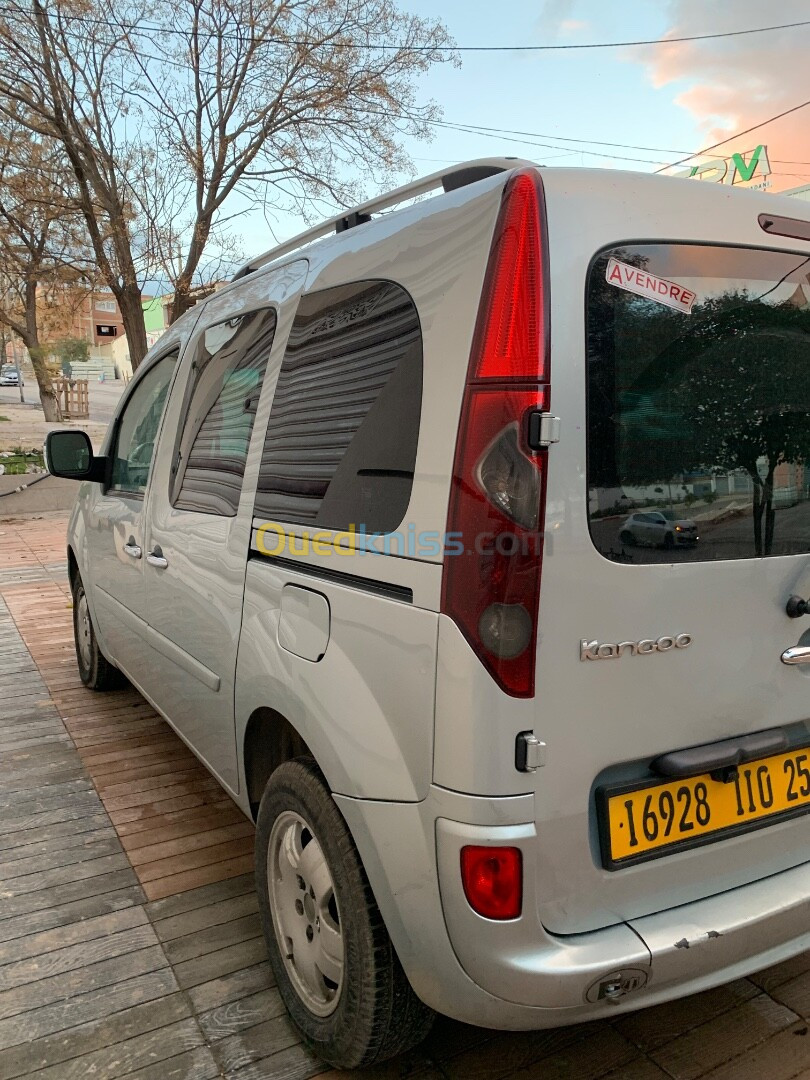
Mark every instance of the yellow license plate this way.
pixel 645 821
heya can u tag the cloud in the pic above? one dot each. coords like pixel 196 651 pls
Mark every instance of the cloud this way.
pixel 573 26
pixel 728 84
pixel 554 17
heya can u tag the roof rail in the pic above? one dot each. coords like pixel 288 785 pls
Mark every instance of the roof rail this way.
pixel 448 180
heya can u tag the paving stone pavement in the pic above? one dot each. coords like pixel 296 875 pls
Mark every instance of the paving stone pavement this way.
pixel 129 937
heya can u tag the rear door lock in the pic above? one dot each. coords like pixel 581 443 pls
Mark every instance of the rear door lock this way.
pixel 530 752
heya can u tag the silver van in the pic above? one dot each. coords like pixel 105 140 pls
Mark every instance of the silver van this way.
pixel 357 531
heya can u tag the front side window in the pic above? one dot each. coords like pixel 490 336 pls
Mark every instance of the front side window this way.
pixel 138 427
pixel 225 386
pixel 698 403
pixel 341 442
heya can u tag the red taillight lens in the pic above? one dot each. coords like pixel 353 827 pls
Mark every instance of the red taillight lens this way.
pixel 491 584
pixel 493 881
pixel 492 570
pixel 510 331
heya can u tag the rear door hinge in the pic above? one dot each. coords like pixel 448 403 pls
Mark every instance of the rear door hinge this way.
pixel 530 752
pixel 544 429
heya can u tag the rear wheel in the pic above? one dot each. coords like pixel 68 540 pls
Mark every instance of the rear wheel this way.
pixel 334 963
pixel 95 670
pixel 627 537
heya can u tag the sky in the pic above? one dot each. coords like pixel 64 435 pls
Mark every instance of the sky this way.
pixel 668 100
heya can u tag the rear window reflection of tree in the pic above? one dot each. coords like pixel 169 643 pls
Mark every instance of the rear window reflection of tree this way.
pixel 729 390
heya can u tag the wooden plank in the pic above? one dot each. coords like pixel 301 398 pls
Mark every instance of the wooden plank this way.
pixel 246 1012
pixel 57 914
pixel 108 844
pixel 73 934
pixel 191 922
pixel 193 859
pixel 58 838
pixel 65 893
pixel 690 1056
pixel 203 875
pixel 212 939
pixel 176 823
pixel 65 875
pixel 294 1063
pixel 130 1056
pixel 213 965
pixel 79 1042
pixel 254 1043
pixel 44 969
pixel 194 1065
pixel 231 987
pixel 90 1004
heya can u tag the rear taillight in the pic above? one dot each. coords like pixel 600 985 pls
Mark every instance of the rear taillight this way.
pixel 493 880
pixel 491 584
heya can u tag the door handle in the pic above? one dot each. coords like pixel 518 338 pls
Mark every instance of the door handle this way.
pixel 133 550
pixel 799 654
pixel 155 558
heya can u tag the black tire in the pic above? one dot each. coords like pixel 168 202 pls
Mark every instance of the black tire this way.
pixel 669 541
pixel 376 1014
pixel 95 670
pixel 627 537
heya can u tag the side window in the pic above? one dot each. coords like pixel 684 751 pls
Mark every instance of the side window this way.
pixel 226 381
pixel 341 442
pixel 138 427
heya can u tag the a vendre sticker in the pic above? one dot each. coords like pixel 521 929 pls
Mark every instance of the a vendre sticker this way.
pixel 624 276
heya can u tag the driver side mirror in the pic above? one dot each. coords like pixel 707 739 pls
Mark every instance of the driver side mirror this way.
pixel 69 454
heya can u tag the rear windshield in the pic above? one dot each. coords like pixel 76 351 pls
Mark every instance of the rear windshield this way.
pixel 698 403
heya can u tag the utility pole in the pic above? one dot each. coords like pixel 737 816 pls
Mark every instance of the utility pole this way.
pixel 17 368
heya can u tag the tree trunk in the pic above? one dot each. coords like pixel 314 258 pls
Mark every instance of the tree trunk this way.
pixel 759 506
pixel 48 397
pixel 131 307
pixel 181 301
pixel 770 515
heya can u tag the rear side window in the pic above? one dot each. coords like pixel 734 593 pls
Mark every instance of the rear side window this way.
pixel 698 403
pixel 341 441
pixel 224 389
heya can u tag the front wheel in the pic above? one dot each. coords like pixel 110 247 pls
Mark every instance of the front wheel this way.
pixel 333 960
pixel 95 670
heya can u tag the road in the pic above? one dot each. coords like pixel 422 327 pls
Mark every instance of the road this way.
pixel 103 397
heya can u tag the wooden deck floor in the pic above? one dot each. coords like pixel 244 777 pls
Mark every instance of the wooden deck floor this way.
pixel 129 938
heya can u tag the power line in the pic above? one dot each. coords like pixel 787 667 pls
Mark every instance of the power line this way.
pixel 491 132
pixel 739 135
pixel 404 46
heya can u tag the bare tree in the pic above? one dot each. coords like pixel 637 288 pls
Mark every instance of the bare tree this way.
pixel 167 112
pixel 40 250
pixel 283 102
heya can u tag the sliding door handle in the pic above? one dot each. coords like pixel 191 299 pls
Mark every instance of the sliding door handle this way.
pixel 133 550
pixel 155 558
pixel 799 654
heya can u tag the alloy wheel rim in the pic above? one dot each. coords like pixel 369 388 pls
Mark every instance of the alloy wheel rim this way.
pixel 84 635
pixel 305 914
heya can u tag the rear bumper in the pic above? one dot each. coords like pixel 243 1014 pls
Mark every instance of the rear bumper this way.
pixel 515 974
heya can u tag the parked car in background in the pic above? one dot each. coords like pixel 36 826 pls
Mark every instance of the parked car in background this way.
pixel 9 376
pixel 659 528
pixel 337 536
